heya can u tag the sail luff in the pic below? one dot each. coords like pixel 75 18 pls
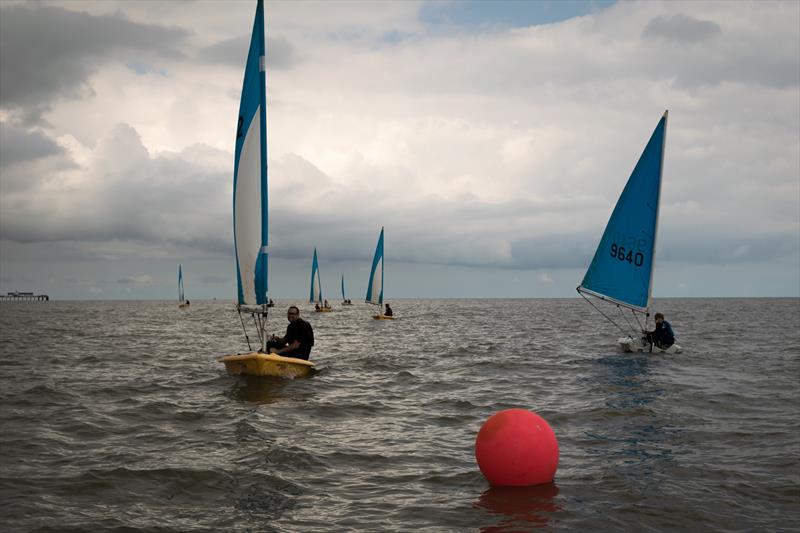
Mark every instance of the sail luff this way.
pixel 658 208
pixel 262 276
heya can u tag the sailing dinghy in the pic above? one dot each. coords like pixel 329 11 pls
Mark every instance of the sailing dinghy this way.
pixel 621 271
pixel 315 294
pixel 345 301
pixel 250 222
pixel 375 285
pixel 183 303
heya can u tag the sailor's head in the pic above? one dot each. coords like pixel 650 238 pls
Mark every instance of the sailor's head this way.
pixel 659 318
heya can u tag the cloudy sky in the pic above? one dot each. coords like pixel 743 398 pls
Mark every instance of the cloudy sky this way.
pixel 490 139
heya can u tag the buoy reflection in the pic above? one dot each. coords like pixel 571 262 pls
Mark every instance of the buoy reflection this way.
pixel 521 507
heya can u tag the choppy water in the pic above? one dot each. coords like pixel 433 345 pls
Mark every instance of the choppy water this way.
pixel 117 415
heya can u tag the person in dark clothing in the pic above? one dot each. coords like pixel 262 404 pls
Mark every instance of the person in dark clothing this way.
pixel 663 336
pixel 298 340
pixel 388 311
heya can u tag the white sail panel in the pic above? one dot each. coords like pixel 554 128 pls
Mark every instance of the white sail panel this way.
pixel 247 214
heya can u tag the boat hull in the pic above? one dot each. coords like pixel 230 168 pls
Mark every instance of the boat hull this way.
pixel 323 310
pixel 631 345
pixel 267 364
pixel 183 306
pixel 383 317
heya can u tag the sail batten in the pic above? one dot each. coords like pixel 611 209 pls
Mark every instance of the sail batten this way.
pixel 250 220
pixel 621 270
pixel 375 285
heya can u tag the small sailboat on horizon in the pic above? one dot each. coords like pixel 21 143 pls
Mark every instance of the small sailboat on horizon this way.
pixel 315 294
pixel 183 303
pixel 250 219
pixel 621 271
pixel 375 285
pixel 345 301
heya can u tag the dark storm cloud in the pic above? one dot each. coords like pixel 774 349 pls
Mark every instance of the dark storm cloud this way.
pixel 280 53
pixel 17 145
pixel 47 52
pixel 682 28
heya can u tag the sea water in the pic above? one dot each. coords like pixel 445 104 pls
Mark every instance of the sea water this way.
pixel 118 415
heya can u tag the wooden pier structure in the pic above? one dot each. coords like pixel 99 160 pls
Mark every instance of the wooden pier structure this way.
pixel 18 296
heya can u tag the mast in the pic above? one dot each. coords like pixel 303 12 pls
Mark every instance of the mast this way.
pixel 658 210
pixel 250 185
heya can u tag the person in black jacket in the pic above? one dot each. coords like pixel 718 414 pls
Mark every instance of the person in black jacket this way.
pixel 298 340
pixel 663 336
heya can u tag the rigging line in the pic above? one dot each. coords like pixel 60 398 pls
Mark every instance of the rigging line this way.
pixel 602 313
pixel 262 322
pixel 639 322
pixel 258 329
pixel 622 313
pixel 245 330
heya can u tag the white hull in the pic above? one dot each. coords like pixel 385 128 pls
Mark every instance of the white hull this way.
pixel 631 345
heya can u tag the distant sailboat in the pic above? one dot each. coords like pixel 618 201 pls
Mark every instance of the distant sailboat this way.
pixel 621 271
pixel 250 220
pixel 315 294
pixel 183 303
pixel 345 301
pixel 375 285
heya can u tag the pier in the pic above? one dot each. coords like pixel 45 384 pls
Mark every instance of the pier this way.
pixel 17 296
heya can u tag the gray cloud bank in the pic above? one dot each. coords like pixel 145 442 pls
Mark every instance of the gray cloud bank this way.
pixel 48 53
pixel 168 203
pixel 18 144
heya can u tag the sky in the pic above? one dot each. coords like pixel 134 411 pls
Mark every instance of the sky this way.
pixel 490 139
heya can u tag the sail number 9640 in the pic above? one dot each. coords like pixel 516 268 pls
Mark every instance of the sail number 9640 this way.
pixel 619 252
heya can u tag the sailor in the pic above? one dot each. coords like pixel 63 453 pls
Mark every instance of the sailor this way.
pixel 388 311
pixel 662 337
pixel 298 340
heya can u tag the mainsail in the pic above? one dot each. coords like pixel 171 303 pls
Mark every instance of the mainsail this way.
pixel 316 285
pixel 181 297
pixel 343 296
pixel 250 226
pixel 622 268
pixel 375 285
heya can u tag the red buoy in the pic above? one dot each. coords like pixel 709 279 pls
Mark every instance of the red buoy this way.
pixel 517 448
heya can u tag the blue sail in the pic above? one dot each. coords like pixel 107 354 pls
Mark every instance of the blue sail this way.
pixel 250 223
pixel 622 268
pixel 316 285
pixel 343 296
pixel 375 285
pixel 180 285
